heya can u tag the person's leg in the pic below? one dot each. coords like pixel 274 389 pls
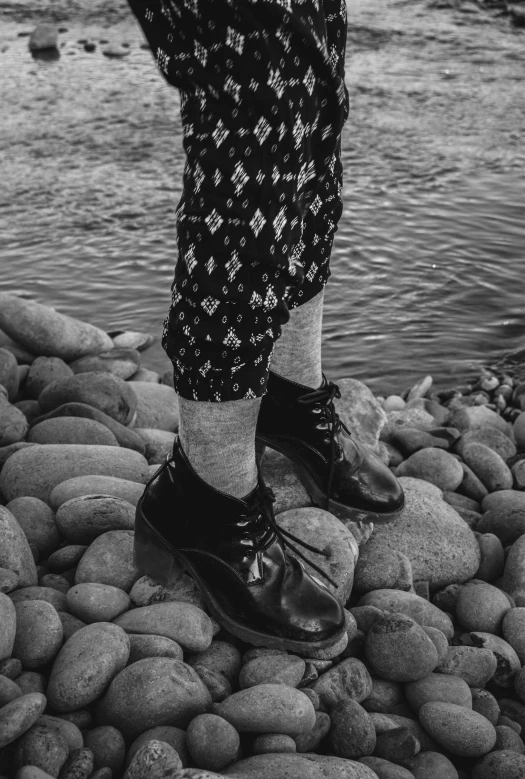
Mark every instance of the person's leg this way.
pixel 219 442
pixel 297 353
pixel 238 220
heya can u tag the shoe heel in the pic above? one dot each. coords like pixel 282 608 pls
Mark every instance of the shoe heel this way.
pixel 152 556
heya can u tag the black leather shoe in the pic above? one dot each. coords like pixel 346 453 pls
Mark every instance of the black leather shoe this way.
pixel 236 554
pixel 339 474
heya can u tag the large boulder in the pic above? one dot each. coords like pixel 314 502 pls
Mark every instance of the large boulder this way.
pixel 104 391
pixel 43 331
pixel 360 412
pixel 442 549
pixel 36 470
pixel 338 546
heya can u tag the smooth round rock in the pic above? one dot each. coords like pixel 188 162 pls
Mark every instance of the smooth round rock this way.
pixel 220 656
pixel 492 557
pixel 309 741
pixel 151 692
pixel 485 703
pixel 39 633
pixel 500 765
pixel 352 734
pixel 52 596
pixel 31 681
pixel 37 521
pixel 459 730
pixel 68 730
pixel 382 569
pixel 384 769
pixel 35 471
pixel 109 560
pixel 70 624
pixel 8 623
pixel 158 443
pixel 175 737
pixel 82 519
pixel 154 760
pixel 108 747
pixel 213 743
pixel 66 558
pixel 44 331
pixel 438 687
pixel 440 546
pixel 120 362
pixel 71 430
pixel 19 715
pixel 324 531
pixel 482 607
pixel 414 606
pixel 491 437
pixel 42 747
pixel 79 765
pixel 398 649
pixel 508 524
pixel 125 436
pixel 81 486
pixel 43 371
pixel 9 373
pixel 513 628
pixel 508 663
pixel 9 690
pixel 13 423
pixel 488 466
pixel 103 391
pixel 433 765
pixel 384 697
pixel 157 406
pixel 272 669
pixel 8 580
pixel 184 623
pixel 269 743
pixel 475 665
pixel 439 640
pixel 271 766
pixel 15 552
pixel 349 679
pixel 268 708
pixel 85 666
pixel 154 646
pixel 132 339
pixel 94 602
pixel 433 465
pixel 514 572
pixel 508 739
pixel 55 581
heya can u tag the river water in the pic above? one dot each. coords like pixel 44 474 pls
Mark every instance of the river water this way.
pixel 428 264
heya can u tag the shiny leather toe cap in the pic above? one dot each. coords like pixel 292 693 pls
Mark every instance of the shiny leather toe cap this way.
pixel 372 486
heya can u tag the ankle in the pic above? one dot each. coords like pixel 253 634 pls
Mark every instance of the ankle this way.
pixel 219 441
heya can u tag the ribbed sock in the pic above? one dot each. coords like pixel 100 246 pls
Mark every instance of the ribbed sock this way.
pixel 219 441
pixel 297 353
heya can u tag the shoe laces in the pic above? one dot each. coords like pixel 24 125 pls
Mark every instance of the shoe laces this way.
pixel 324 398
pixel 264 503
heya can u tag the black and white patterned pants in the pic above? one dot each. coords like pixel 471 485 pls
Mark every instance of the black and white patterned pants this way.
pixel 263 103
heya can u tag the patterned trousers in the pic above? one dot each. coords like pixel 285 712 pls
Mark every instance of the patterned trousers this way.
pixel 263 103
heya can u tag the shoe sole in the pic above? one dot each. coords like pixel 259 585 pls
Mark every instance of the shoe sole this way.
pixel 164 564
pixel 318 497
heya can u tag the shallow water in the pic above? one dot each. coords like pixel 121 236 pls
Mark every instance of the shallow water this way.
pixel 428 262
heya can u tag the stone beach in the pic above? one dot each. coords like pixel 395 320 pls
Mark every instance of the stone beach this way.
pixel 105 674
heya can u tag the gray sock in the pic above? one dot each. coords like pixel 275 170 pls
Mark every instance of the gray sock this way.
pixel 219 441
pixel 297 353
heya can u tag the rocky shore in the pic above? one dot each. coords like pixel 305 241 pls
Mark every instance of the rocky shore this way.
pixel 105 674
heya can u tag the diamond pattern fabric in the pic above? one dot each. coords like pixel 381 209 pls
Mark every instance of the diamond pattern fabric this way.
pixel 263 103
